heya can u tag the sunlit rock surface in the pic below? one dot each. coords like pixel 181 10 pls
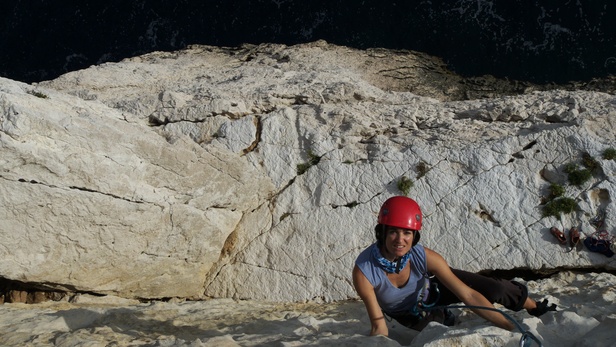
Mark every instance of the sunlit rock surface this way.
pixel 257 172
pixel 586 316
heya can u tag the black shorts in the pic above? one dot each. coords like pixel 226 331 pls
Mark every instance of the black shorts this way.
pixel 510 294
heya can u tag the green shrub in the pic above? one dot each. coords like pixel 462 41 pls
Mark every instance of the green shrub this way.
pixel 37 94
pixel 609 154
pixel 302 168
pixel 422 169
pixel 313 159
pixel 570 167
pixel 590 163
pixel 556 190
pixel 352 204
pixel 404 185
pixel 579 177
pixel 559 206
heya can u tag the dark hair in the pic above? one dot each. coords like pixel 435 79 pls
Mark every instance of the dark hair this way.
pixel 380 233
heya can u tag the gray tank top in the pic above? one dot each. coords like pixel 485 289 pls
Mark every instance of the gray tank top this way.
pixel 395 301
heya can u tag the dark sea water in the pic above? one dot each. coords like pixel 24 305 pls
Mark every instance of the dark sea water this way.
pixel 536 41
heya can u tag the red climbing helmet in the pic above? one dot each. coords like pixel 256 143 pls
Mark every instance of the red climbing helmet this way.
pixel 401 212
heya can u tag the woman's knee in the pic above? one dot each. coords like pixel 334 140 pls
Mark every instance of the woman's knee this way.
pixel 496 291
pixel 510 294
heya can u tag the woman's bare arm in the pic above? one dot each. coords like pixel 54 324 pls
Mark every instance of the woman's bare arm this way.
pixel 439 267
pixel 366 293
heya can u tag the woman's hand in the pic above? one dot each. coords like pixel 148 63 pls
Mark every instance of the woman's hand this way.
pixel 378 328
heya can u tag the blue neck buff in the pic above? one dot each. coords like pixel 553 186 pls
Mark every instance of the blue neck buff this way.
pixel 390 266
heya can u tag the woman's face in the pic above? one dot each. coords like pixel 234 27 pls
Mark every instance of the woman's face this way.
pixel 398 242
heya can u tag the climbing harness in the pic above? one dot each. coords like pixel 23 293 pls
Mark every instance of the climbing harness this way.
pixel 422 305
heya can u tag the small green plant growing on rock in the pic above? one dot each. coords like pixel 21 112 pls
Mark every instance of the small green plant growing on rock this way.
pixel 579 177
pixel 422 169
pixel 37 94
pixel 609 154
pixel 576 175
pixel 570 167
pixel 302 168
pixel 556 191
pixel 404 185
pixel 352 204
pixel 559 206
pixel 590 163
pixel 313 159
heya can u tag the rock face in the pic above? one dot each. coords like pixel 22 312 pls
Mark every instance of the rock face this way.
pixel 93 200
pixel 257 172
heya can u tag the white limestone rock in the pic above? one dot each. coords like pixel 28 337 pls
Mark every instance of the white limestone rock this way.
pixel 93 202
pixel 257 173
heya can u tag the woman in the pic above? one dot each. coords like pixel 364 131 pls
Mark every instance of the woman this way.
pixel 397 276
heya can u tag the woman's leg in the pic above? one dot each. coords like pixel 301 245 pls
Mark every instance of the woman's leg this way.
pixel 511 294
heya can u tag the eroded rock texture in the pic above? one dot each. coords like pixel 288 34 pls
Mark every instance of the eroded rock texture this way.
pixel 257 172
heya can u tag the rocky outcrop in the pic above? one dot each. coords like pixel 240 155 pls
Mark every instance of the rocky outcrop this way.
pixel 257 172
pixel 93 200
